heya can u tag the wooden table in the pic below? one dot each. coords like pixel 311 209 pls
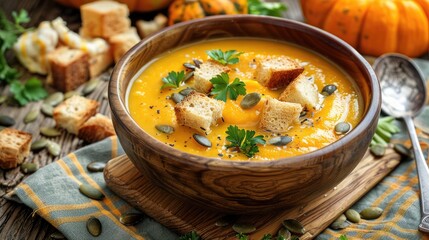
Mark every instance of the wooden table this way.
pixel 16 220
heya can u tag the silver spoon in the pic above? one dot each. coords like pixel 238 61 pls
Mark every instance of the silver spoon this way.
pixel 403 96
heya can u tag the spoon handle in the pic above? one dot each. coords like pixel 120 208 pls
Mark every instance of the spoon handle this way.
pixel 422 173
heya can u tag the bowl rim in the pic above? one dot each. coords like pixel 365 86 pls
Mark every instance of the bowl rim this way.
pixel 118 107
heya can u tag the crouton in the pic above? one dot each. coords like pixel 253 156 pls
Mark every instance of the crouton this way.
pixel 104 19
pixel 14 147
pixel 278 116
pixel 148 27
pixel 74 112
pixel 303 91
pixel 96 128
pixel 123 42
pixel 68 68
pixel 275 72
pixel 198 111
pixel 204 73
pixel 100 62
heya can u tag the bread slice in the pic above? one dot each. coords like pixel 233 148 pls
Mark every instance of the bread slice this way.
pixel 199 112
pixel 123 42
pixel 278 116
pixel 303 91
pixel 104 19
pixel 275 72
pixel 74 112
pixel 14 147
pixel 205 73
pixel 96 128
pixel 68 68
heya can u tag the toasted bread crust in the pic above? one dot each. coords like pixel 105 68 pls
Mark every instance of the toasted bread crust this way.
pixel 96 128
pixel 277 116
pixel 302 91
pixel 14 147
pixel 205 73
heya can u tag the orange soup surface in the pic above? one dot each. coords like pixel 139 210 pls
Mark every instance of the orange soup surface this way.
pixel 150 106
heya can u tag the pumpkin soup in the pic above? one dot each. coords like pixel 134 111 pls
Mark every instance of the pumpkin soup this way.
pixel 244 98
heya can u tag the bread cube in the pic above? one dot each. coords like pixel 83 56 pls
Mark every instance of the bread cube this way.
pixel 68 68
pixel 199 112
pixel 123 42
pixel 278 116
pixel 275 72
pixel 74 112
pixel 104 19
pixel 303 91
pixel 146 28
pixel 100 62
pixel 14 147
pixel 96 128
pixel 205 73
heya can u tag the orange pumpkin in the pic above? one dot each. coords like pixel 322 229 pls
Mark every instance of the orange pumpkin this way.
pixel 374 27
pixel 133 5
pixel 184 10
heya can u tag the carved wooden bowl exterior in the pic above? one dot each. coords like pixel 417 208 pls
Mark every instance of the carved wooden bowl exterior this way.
pixel 244 186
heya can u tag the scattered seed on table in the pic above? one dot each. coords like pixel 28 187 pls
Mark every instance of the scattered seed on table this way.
pixel 402 150
pixel 39 144
pixel 50 132
pixel 57 235
pixel 203 141
pixel 47 109
pixel 294 226
pixel 283 232
pixel 53 148
pixel 377 150
pixel 353 216
pixel 225 220
pixel 96 166
pixel 70 94
pixel 90 191
pixel 6 121
pixel 3 99
pixel 29 167
pixel 54 99
pixel 371 213
pixel 93 225
pixel 90 86
pixel 243 228
pixel 130 219
pixel 31 116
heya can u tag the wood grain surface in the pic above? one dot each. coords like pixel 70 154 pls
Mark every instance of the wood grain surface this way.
pixel 184 216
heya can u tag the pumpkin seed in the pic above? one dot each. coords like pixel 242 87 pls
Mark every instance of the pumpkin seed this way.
pixel 342 128
pixel 96 166
pixel 47 109
pixel 353 216
pixel 188 76
pixel 1 127
pixel 377 150
pixel 280 140
pixel 29 167
pixel 203 141
pixel 402 150
pixel 225 220
pixel 54 99
pixel 130 219
pixel 243 228
pixel 284 234
pixel 165 128
pixel 53 148
pixel 185 92
pixel 50 132
pixel 57 235
pixel 39 144
pixel 90 191
pixel 371 213
pixel 3 99
pixel 294 226
pixel 31 116
pixel 177 97
pixel 189 66
pixel 329 90
pixel 6 121
pixel 339 225
pixel 70 94
pixel 90 86
pixel 197 62
pixel 93 225
pixel 250 100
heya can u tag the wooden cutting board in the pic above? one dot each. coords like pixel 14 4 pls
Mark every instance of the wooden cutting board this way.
pixel 125 180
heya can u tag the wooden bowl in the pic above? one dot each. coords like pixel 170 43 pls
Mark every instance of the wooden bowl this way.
pixel 244 186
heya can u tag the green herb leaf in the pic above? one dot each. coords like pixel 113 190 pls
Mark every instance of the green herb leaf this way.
pixel 173 80
pixel 242 236
pixel 224 58
pixel 259 7
pixel 343 237
pixel 222 89
pixel 244 140
pixel 32 90
pixel 267 237
pixel 190 236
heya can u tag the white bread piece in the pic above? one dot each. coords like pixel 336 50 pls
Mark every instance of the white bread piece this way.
pixel 205 72
pixel 278 116
pixel 74 112
pixel 104 19
pixel 123 42
pixel 302 91
pixel 14 147
pixel 68 68
pixel 275 72
pixel 146 28
pixel 100 62
pixel 97 128
pixel 199 112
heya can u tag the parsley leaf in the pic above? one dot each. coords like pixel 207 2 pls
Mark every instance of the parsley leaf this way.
pixel 259 7
pixel 173 80
pixel 244 140
pixel 223 89
pixel 343 237
pixel 266 237
pixel 190 236
pixel 224 58
pixel 241 236
pixel 32 90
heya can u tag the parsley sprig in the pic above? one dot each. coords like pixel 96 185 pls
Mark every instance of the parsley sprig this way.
pixel 32 90
pixel 260 7
pixel 190 236
pixel 244 140
pixel 173 79
pixel 222 89
pixel 224 58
